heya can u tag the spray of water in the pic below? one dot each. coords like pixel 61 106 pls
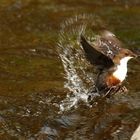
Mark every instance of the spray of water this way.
pixel 78 80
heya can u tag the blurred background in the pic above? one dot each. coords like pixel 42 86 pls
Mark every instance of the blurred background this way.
pixel 32 75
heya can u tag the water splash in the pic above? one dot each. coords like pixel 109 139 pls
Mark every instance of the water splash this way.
pixel 79 79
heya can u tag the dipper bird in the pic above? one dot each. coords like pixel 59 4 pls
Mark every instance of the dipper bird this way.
pixel 107 54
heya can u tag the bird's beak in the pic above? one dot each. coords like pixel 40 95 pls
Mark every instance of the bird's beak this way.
pixel 134 55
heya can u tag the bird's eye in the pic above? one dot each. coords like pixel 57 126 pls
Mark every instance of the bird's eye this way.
pixel 126 54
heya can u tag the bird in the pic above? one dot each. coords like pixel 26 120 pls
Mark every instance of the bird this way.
pixel 109 56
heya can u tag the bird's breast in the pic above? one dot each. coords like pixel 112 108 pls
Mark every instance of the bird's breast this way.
pixel 112 81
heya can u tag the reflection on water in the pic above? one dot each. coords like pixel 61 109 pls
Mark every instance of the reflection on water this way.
pixel 32 77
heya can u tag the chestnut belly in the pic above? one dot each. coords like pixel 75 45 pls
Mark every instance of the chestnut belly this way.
pixel 112 81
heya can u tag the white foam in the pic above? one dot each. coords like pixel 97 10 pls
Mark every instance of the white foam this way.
pixel 74 62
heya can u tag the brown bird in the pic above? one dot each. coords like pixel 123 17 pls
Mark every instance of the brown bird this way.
pixel 107 54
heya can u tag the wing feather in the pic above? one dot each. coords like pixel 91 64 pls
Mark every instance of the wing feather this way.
pixel 94 56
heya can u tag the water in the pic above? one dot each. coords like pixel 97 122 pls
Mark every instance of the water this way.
pixel 74 62
pixel 45 77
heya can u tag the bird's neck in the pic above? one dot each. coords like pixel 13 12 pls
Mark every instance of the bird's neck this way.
pixel 121 71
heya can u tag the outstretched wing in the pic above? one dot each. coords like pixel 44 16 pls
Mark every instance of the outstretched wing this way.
pixel 102 50
pixel 94 56
pixel 108 44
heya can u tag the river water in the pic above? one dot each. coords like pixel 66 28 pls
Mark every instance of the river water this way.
pixel 45 78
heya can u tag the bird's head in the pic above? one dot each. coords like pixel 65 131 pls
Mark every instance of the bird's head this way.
pixel 125 54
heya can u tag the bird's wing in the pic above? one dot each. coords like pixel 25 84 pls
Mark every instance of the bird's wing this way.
pixel 108 44
pixel 103 49
pixel 95 56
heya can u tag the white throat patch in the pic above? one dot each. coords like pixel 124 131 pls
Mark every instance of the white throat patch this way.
pixel 121 71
